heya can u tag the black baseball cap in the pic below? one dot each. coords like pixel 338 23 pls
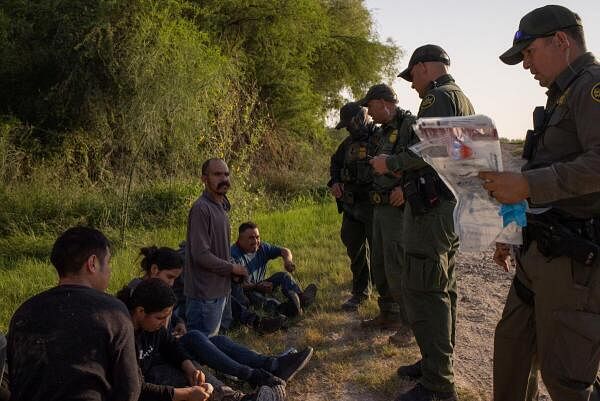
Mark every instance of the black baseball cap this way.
pixel 539 23
pixel 424 54
pixel 379 91
pixel 347 113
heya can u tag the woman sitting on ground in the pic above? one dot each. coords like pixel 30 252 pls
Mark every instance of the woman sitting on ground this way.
pixel 219 352
pixel 166 368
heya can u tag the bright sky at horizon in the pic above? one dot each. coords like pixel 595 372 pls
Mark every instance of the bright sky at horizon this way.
pixel 475 33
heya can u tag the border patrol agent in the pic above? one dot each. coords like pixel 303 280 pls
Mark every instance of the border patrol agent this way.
pixel 430 243
pixel 387 255
pixel 351 179
pixel 551 320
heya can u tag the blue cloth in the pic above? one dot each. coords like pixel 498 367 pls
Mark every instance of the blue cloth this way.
pixel 514 212
pixel 205 314
pixel 256 263
pixel 224 355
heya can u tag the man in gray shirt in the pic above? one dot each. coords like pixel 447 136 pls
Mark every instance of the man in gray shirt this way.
pixel 208 270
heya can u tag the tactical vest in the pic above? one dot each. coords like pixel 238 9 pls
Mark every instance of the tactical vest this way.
pixel 356 169
pixel 395 140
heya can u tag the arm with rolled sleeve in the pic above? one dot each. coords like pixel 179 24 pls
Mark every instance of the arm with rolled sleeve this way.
pixel 200 243
pixel 580 176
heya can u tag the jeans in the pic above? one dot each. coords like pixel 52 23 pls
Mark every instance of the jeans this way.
pixel 224 355
pixel 205 314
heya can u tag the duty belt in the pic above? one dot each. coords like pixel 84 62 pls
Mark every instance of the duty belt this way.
pixel 352 197
pixel 557 236
pixel 379 197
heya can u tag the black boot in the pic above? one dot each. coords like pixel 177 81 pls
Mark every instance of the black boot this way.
pixel 411 372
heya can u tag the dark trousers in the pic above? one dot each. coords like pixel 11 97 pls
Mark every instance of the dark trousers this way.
pixel 356 237
pixel 240 301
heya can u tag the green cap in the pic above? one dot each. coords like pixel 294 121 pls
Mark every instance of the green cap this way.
pixel 347 113
pixel 424 54
pixel 539 23
pixel 379 91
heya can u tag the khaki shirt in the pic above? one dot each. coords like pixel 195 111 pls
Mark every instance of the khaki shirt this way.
pixel 564 171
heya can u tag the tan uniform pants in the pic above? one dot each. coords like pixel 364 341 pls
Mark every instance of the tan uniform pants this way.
pixel 559 334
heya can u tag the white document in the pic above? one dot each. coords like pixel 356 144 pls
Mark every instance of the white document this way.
pixel 458 148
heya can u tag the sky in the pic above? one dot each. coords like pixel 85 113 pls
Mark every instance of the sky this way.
pixel 474 34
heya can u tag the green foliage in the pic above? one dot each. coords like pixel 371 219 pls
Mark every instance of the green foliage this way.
pixel 102 103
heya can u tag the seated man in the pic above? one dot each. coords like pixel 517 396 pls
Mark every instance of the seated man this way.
pixel 73 341
pixel 250 252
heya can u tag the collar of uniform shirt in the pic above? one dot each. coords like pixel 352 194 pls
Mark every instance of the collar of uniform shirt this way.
pixel 566 77
pixel 442 80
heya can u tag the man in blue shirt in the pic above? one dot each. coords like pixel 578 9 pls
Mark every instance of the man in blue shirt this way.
pixel 250 252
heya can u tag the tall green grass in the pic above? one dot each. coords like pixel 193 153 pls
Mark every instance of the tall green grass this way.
pixel 308 231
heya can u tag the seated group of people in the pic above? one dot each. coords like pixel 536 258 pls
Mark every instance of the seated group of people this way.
pixel 75 342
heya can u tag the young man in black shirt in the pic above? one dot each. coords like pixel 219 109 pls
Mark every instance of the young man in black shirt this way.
pixel 73 341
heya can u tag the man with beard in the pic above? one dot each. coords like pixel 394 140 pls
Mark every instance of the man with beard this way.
pixel 208 270
pixel 351 179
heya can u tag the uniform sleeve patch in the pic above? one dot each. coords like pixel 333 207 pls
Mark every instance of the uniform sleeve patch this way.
pixel 596 92
pixel 427 102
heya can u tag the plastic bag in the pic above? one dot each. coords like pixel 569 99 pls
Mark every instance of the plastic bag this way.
pixel 458 148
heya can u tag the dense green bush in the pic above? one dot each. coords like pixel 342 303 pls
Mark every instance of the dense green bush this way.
pixel 108 108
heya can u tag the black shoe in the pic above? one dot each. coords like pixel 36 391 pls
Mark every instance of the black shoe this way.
pixel 292 307
pixel 420 393
pixel 290 364
pixel 308 295
pixel 266 393
pixel 351 305
pixel 261 377
pixel 269 324
pixel 412 372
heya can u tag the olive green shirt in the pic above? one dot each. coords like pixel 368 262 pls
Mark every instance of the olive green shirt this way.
pixel 564 171
pixel 443 99
pixel 396 136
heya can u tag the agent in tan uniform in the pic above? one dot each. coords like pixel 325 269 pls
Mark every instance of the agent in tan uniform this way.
pixel 551 320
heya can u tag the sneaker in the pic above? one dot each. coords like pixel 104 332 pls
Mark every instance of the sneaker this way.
pixel 266 393
pixel 266 325
pixel 351 305
pixel 290 364
pixel 411 372
pixel 382 322
pixel 260 377
pixel 308 295
pixel 420 393
pixel 402 338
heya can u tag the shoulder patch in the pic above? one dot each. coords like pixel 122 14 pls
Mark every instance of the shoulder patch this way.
pixel 427 102
pixel 596 92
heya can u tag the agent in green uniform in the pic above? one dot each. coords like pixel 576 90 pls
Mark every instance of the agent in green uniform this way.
pixel 387 254
pixel 551 320
pixel 350 183
pixel 430 243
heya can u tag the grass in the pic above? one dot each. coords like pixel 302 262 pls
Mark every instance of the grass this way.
pixel 348 364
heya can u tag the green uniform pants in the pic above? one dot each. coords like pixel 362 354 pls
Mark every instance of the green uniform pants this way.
pixel 386 260
pixel 559 333
pixel 355 235
pixel 430 290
